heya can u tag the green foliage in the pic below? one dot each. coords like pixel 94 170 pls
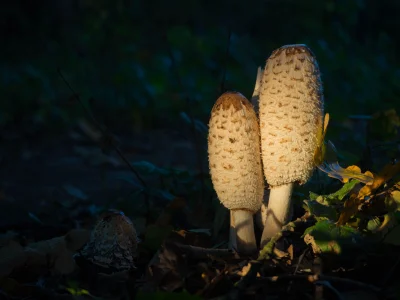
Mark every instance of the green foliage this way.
pixel 336 196
pixel 324 207
pixel 127 66
pixel 326 237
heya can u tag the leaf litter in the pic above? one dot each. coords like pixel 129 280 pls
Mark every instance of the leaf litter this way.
pixel 334 241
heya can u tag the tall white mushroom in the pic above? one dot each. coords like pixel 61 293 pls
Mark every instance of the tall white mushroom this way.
pixel 235 165
pixel 291 118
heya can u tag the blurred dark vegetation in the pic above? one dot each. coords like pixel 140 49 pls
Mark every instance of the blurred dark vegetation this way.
pixel 117 56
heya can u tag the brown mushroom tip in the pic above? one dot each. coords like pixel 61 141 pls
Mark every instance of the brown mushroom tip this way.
pixel 292 49
pixel 231 98
pixel 113 243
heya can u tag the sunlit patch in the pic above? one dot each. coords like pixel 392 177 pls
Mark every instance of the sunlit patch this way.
pixel 325 158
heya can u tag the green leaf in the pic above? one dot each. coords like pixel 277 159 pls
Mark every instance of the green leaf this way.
pixel 326 237
pixel 321 211
pixel 336 196
pixel 373 224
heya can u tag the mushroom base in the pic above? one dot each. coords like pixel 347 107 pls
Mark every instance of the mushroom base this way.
pixel 278 212
pixel 242 237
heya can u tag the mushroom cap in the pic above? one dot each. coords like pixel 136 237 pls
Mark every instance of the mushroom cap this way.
pixel 113 242
pixel 291 114
pixel 234 153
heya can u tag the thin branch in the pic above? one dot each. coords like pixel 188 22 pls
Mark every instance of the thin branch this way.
pixel 267 250
pixel 104 133
pixel 203 253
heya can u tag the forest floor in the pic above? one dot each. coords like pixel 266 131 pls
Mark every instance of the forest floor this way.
pixel 55 187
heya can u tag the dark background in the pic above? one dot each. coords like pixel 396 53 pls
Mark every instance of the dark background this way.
pixel 149 72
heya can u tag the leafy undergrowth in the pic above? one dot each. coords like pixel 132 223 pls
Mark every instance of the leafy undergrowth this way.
pixel 343 242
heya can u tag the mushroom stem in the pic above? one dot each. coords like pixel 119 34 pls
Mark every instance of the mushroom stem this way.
pixel 279 211
pixel 261 214
pixel 232 233
pixel 242 231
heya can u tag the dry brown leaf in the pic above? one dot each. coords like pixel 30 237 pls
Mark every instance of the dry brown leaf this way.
pixel 334 170
pixel 56 253
pixel 355 199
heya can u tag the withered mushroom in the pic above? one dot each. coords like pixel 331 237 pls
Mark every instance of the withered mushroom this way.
pixel 113 243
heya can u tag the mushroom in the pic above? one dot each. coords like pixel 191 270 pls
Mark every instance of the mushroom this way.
pixel 291 119
pixel 113 243
pixel 235 165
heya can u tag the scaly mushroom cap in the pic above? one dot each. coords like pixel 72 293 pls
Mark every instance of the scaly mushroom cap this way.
pixel 234 153
pixel 113 243
pixel 291 114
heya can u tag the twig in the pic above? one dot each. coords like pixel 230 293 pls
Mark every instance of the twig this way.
pixel 104 133
pixel 298 266
pixel 317 278
pixel 267 250
pixel 301 257
pixel 202 253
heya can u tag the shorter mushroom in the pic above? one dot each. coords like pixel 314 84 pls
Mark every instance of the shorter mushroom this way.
pixel 235 165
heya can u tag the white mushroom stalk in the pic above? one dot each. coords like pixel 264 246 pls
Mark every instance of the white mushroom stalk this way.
pixel 291 119
pixel 235 165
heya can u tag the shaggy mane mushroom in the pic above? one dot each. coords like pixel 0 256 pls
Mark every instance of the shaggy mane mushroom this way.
pixel 291 119
pixel 235 165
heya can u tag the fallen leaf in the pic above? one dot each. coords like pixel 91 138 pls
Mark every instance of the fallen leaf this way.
pixel 168 268
pixel 334 170
pixel 351 205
